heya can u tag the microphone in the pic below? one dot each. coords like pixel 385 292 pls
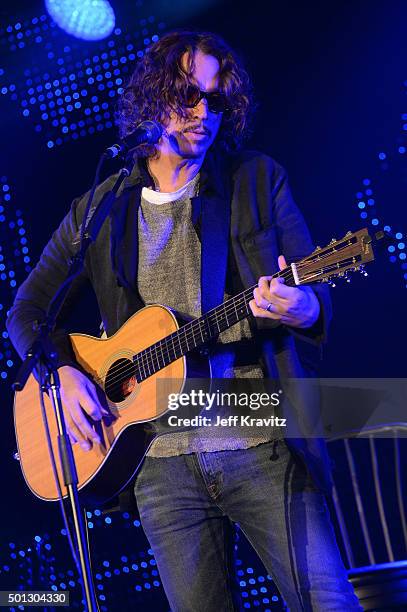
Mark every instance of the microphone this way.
pixel 147 132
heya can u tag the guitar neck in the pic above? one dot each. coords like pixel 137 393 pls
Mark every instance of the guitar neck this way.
pixel 349 254
pixel 198 332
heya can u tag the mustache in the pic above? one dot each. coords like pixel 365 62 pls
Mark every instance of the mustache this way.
pixel 197 127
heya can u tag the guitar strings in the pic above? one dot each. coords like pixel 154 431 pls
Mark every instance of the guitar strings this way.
pixel 146 357
pixel 146 361
pixel 149 358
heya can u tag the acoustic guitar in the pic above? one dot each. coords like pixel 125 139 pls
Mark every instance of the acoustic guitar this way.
pixel 134 370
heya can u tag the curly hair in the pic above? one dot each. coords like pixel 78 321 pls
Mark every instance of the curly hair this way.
pixel 158 84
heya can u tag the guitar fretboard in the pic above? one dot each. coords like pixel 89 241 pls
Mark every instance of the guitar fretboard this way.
pixel 198 332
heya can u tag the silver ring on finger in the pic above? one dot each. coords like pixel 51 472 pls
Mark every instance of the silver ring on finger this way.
pixel 269 307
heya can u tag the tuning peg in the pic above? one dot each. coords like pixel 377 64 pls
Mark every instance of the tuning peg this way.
pixel 348 279
pixel 333 241
pixel 348 234
pixel 331 283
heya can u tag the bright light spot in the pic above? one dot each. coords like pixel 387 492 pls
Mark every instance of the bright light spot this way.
pixel 86 19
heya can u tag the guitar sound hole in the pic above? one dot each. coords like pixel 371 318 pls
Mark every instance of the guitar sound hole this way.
pixel 120 380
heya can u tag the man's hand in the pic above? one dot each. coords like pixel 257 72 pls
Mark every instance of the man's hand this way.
pixel 295 306
pixel 79 396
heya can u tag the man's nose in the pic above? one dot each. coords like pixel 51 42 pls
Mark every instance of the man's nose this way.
pixel 201 109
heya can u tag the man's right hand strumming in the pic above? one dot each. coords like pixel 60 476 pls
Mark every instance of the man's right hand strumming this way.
pixel 79 398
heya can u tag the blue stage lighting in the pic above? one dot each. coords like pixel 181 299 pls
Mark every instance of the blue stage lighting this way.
pixel 86 19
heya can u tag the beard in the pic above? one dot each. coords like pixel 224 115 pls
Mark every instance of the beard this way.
pixel 189 141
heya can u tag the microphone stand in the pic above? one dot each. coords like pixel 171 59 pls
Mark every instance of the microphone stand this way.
pixel 44 354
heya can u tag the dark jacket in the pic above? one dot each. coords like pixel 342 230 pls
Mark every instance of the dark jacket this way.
pixel 246 197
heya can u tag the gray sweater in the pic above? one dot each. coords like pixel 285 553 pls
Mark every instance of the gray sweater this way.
pixel 169 269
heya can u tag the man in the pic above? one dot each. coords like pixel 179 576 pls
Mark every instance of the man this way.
pixel 166 243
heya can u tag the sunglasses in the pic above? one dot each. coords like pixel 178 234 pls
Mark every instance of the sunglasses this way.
pixel 217 101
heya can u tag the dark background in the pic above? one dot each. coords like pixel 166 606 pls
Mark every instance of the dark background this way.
pixel 329 79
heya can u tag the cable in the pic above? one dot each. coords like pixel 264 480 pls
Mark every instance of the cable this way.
pixel 91 194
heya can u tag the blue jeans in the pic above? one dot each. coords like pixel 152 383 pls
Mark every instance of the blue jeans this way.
pixel 185 504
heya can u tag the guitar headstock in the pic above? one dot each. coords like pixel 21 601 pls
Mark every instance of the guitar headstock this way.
pixel 339 257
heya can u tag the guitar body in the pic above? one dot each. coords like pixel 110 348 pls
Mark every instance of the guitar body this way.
pixel 127 432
